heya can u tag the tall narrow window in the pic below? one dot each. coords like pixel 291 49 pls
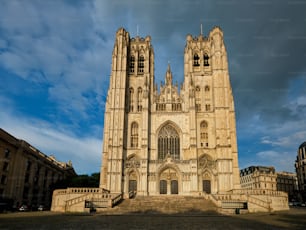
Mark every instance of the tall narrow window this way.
pixel 5 166
pixel 204 134
pixel 168 143
pixel 139 99
pixel 3 179
pixel 132 64
pixel 131 96
pixel 134 135
pixel 7 153
pixel 141 64
pixel 196 59
pixel 198 98
pixel 206 62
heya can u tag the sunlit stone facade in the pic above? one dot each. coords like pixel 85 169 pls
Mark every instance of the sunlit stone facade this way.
pixel 170 140
pixel 258 177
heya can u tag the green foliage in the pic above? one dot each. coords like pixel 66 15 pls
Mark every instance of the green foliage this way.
pixel 91 181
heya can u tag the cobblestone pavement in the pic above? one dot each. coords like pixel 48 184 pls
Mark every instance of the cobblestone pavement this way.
pixel 292 219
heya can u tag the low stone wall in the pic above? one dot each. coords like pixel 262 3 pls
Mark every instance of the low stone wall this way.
pixel 82 199
pixel 74 199
pixel 258 200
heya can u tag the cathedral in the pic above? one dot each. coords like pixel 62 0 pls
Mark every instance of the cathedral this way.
pixel 165 143
pixel 166 139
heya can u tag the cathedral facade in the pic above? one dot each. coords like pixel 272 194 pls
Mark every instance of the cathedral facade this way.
pixel 170 140
pixel 167 142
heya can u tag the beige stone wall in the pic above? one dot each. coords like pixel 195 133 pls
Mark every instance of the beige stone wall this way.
pixel 205 95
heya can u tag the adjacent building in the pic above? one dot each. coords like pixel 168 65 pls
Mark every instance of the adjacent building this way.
pixel 300 167
pixel 26 174
pixel 258 177
pixel 287 182
pixel 266 178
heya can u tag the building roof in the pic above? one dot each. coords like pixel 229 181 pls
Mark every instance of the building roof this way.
pixel 303 145
pixel 34 151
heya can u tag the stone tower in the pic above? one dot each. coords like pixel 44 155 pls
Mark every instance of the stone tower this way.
pixel 170 141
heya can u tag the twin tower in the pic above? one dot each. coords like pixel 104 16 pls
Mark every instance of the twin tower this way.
pixel 170 141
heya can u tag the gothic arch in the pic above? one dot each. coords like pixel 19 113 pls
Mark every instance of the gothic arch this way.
pixel 169 173
pixel 131 172
pixel 196 58
pixel 141 63
pixel 134 135
pixel 168 141
pixel 132 63
pixel 131 99
pixel 207 174
pixel 206 162
pixel 174 125
pixel 167 165
pixel 206 59
pixel 203 134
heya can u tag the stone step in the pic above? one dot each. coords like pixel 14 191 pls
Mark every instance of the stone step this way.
pixel 164 204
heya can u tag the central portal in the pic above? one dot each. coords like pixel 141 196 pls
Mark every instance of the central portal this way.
pixel 168 183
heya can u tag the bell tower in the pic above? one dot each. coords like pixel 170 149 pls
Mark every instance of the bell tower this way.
pixel 114 118
pixel 211 106
pixel 127 120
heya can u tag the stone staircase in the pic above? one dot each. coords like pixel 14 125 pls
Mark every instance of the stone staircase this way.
pixel 168 204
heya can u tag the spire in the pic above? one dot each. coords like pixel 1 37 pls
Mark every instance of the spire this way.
pixel 201 29
pixel 168 75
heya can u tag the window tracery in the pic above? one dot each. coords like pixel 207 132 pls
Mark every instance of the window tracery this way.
pixel 198 98
pixel 141 64
pixel 196 59
pixel 168 143
pixel 131 99
pixel 204 134
pixel 139 99
pixel 206 58
pixel 134 135
pixel 132 64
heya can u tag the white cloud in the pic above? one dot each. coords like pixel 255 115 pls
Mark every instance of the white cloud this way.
pixel 56 44
pixel 85 152
pixel 282 161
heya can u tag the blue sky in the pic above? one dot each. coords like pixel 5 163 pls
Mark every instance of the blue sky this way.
pixel 55 63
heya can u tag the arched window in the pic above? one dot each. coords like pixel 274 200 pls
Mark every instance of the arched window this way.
pixel 131 95
pixel 204 134
pixel 206 62
pixel 139 99
pixel 207 88
pixel 134 135
pixel 168 143
pixel 198 98
pixel 141 64
pixel 132 64
pixel 196 59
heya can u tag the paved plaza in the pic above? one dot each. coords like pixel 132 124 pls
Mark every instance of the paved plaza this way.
pixel 292 219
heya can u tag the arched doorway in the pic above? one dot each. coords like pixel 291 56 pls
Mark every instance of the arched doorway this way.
pixel 206 183
pixel 207 186
pixel 132 181
pixel 206 166
pixel 168 183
